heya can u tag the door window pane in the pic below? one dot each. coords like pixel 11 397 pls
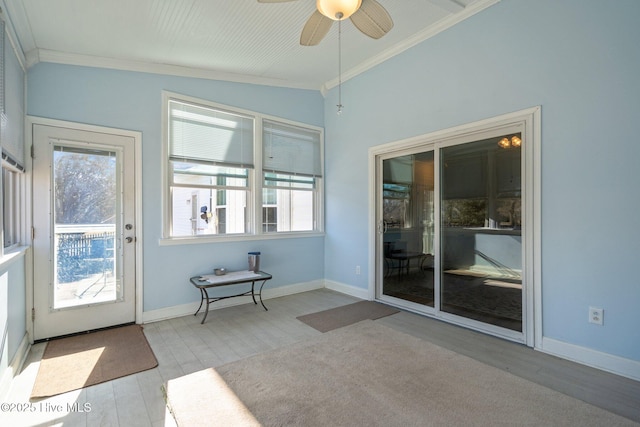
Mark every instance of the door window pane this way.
pixel 481 262
pixel 85 211
pixel 408 223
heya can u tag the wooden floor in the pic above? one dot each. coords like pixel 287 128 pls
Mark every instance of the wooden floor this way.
pixel 183 346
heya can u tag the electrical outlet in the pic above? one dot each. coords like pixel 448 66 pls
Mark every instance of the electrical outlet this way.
pixel 357 269
pixel 596 315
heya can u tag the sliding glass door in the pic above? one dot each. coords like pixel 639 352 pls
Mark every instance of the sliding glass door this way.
pixel 407 190
pixel 449 218
pixel 480 231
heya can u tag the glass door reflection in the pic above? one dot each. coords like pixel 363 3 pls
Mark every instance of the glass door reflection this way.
pixel 408 227
pixel 481 227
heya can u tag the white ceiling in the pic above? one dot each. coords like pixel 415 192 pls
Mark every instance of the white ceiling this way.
pixel 237 40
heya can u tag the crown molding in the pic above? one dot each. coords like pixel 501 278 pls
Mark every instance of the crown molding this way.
pixel 418 38
pixel 449 5
pixel 43 55
pixel 32 58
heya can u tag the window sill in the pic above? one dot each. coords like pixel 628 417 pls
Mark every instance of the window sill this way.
pixel 11 255
pixel 172 241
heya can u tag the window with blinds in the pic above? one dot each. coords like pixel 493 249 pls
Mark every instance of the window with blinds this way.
pixel 210 161
pixel 12 150
pixel 213 172
pixel 292 169
pixel 11 119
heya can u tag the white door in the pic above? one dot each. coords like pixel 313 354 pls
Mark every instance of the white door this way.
pixel 84 230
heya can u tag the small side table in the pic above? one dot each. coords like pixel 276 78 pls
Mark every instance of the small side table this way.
pixel 404 260
pixel 207 281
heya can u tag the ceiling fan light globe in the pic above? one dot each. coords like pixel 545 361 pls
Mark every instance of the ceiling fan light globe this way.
pixel 338 10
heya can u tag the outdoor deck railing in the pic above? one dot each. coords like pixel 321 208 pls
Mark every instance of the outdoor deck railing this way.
pixel 84 250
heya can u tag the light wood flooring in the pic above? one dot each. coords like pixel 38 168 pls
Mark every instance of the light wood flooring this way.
pixel 183 346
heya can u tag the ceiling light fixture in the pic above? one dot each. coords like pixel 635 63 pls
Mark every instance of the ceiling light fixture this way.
pixel 338 9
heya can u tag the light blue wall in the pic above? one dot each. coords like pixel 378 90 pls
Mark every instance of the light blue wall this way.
pixel 579 60
pixel 131 100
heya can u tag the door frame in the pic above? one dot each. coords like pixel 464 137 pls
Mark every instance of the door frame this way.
pixel 531 121
pixel 30 263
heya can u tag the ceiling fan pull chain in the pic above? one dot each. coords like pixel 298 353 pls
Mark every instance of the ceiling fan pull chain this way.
pixel 339 67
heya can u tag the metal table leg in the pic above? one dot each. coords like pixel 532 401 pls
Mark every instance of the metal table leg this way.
pixel 260 295
pixel 206 296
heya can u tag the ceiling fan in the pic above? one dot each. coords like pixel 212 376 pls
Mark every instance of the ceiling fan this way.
pixel 367 15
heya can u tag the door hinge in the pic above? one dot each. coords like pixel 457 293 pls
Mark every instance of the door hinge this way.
pixel 33 233
pixel 33 314
pixel 33 156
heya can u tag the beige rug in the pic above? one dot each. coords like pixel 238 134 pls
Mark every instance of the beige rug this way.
pixel 328 320
pixel 370 375
pixel 82 360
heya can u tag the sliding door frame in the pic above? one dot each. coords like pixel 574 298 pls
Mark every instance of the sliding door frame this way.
pixel 529 123
pixel 381 229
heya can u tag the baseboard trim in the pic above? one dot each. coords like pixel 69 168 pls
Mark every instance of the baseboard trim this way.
pixel 14 366
pixel 267 293
pixel 589 357
pixel 347 289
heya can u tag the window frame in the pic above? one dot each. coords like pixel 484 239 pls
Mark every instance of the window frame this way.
pixel 254 212
pixel 12 204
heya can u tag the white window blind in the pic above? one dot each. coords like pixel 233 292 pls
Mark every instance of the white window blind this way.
pixel 208 135
pixel 2 61
pixel 291 150
pixel 11 125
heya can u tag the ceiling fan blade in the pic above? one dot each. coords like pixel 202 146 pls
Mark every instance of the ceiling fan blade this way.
pixel 315 29
pixel 372 19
